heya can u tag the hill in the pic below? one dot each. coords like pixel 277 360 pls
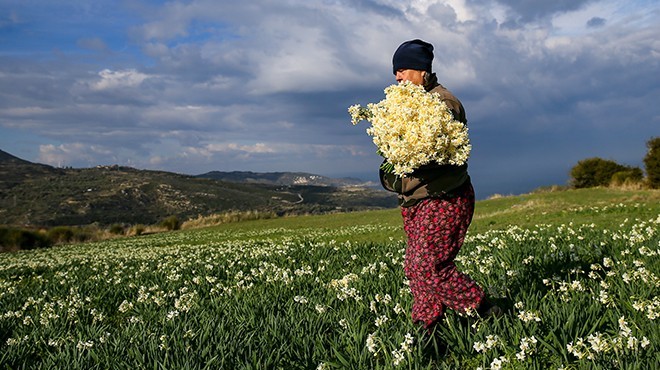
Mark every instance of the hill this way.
pixel 14 171
pixel 285 178
pixel 606 207
pixel 33 194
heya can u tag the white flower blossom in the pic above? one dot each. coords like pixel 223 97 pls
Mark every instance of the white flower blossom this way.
pixel 381 320
pixel 300 299
pixel 371 343
pixel 125 306
pixel 412 127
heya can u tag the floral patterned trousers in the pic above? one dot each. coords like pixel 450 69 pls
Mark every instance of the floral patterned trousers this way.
pixel 436 229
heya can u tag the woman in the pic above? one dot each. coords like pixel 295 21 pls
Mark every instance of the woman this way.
pixel 437 204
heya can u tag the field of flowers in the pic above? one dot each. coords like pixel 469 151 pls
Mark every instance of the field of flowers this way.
pixel 582 297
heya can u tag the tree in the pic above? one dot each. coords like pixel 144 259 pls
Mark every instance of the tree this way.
pixel 592 172
pixel 652 162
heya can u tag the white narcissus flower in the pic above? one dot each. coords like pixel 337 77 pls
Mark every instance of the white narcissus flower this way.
pixel 412 127
pixel 381 320
pixel 371 343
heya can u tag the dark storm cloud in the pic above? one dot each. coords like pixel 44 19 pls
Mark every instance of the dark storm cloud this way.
pixel 596 22
pixel 527 11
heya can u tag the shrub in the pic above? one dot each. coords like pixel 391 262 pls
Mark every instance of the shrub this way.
pixel 171 223
pixel 70 234
pixel 594 172
pixel 627 177
pixel 227 217
pixel 549 189
pixel 138 229
pixel 11 238
pixel 61 234
pixel 116 229
pixel 652 163
pixel 81 235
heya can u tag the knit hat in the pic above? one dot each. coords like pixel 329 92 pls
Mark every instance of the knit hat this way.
pixel 413 54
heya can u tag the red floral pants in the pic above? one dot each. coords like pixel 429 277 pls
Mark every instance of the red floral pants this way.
pixel 436 229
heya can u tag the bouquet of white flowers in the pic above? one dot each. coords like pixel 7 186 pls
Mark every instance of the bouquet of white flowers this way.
pixel 412 127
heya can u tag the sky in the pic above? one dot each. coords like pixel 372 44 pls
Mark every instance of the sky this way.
pixel 206 85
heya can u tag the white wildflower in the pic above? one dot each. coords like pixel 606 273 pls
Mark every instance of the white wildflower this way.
pixel 125 306
pixel 371 343
pixel 406 345
pixel 381 320
pixel 397 357
pixel 598 342
pixel 497 363
pixel 624 330
pixel 527 316
pixel 85 344
pixel 412 127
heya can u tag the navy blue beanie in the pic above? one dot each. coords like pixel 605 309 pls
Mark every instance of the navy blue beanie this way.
pixel 413 54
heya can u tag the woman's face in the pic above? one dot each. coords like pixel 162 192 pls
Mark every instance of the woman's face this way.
pixel 412 75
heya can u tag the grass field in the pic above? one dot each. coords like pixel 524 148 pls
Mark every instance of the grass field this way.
pixel 580 269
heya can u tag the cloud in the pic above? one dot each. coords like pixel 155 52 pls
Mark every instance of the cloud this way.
pixel 92 43
pixel 66 154
pixel 529 11
pixel 117 79
pixel 202 85
pixel 596 22
pixel 9 19
pixel 257 148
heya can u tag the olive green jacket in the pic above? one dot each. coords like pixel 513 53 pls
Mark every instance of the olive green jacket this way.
pixel 431 180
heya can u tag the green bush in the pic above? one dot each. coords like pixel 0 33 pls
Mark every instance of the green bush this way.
pixel 652 162
pixel 70 234
pixel 138 229
pixel 116 229
pixel 11 238
pixel 594 172
pixel 171 223
pixel 61 234
pixel 81 235
pixel 631 176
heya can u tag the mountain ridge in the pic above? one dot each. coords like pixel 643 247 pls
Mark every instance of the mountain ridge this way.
pixel 33 194
pixel 284 178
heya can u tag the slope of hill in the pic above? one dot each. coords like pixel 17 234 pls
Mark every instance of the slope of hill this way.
pixel 14 171
pixel 606 207
pixel 38 195
pixel 284 178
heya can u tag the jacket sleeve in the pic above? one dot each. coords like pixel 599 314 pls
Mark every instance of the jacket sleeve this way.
pixel 389 181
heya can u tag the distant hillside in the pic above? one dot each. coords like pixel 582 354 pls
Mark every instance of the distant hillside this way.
pixel 34 194
pixel 284 178
pixel 14 171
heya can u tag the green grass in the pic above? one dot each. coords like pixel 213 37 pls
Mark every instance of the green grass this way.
pixel 328 291
pixel 604 206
